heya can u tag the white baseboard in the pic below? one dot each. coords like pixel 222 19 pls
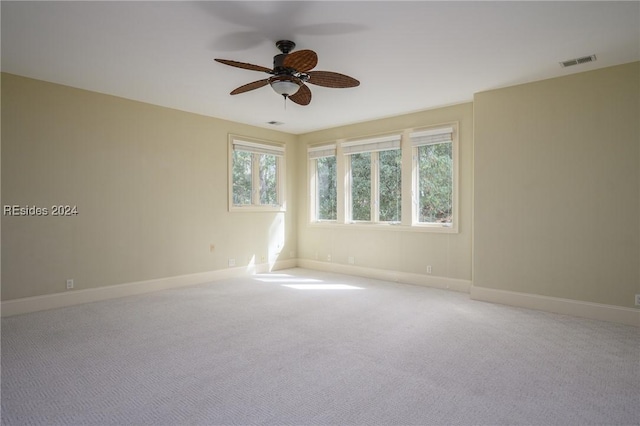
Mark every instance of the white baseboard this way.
pixel 575 308
pixel 388 275
pixel 76 297
pixel 557 305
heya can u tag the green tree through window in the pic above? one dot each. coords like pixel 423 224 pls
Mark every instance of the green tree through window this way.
pixel 241 177
pixel 390 170
pixel 361 186
pixel 327 197
pixel 435 183
pixel 268 180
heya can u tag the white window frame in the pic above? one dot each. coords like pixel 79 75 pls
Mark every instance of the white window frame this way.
pixel 409 221
pixel 314 153
pixel 372 146
pixel 257 147
pixel 427 136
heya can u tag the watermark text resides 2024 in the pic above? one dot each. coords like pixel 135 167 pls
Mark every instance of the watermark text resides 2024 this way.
pixel 37 211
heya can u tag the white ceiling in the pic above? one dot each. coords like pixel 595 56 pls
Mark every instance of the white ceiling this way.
pixel 408 56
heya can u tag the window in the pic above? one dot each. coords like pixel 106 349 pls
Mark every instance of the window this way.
pixel 434 176
pixel 323 183
pixel 408 179
pixel 256 174
pixel 375 180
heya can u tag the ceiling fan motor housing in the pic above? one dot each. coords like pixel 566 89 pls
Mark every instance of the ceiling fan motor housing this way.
pixel 285 47
pixel 278 64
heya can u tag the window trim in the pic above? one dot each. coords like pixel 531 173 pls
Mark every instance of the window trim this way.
pixel 372 145
pixel 408 222
pixel 374 213
pixel 257 147
pixel 435 130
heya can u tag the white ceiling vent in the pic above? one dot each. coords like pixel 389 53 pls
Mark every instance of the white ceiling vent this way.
pixel 578 61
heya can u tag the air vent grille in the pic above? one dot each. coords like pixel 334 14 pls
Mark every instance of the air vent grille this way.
pixel 275 123
pixel 578 61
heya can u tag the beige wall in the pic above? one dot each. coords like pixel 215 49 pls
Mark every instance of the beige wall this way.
pixel 557 187
pixel 449 255
pixel 552 169
pixel 150 185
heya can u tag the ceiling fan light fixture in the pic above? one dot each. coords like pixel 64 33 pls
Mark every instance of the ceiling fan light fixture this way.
pixel 284 86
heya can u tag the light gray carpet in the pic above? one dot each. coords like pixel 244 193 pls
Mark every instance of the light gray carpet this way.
pixel 253 351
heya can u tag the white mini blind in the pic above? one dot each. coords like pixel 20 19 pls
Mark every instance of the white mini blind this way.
pixel 322 151
pixel 431 136
pixel 384 143
pixel 258 148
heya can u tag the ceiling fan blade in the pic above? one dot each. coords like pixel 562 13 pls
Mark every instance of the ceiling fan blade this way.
pixel 302 96
pixel 302 60
pixel 250 86
pixel 244 65
pixel 332 79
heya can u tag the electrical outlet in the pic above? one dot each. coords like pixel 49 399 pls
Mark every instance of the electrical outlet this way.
pixel 263 259
pixel 232 262
pixel 328 258
pixel 428 269
pixel 637 299
pixel 351 260
pixel 69 284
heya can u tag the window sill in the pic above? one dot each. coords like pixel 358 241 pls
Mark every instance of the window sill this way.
pixel 386 227
pixel 257 209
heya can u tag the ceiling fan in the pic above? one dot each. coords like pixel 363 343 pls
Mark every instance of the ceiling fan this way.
pixel 290 73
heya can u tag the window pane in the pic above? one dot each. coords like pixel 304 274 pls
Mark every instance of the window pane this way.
pixel 361 186
pixel 327 188
pixel 435 174
pixel 390 185
pixel 268 180
pixel 241 178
